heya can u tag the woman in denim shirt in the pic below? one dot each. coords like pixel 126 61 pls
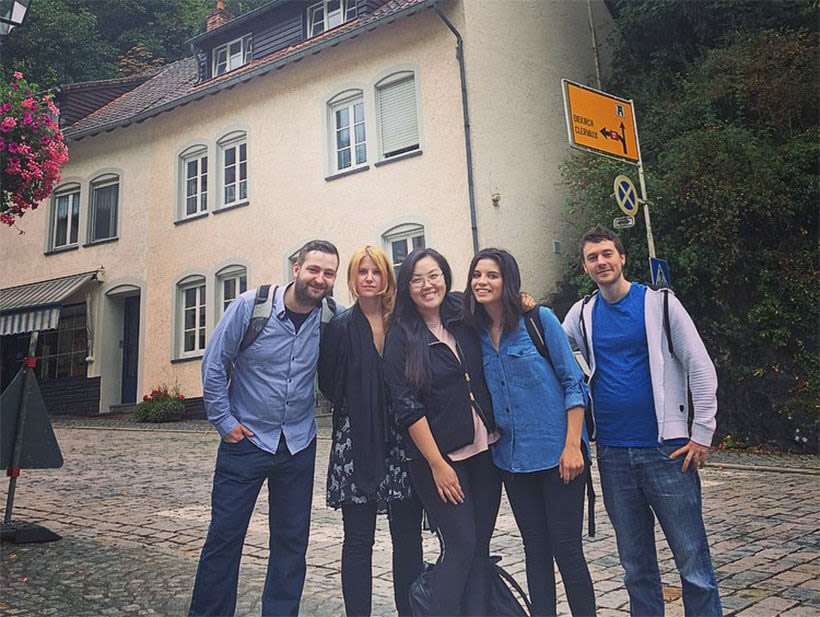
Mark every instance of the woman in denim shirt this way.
pixel 539 412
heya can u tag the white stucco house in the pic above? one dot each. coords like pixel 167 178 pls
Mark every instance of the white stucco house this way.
pixel 400 123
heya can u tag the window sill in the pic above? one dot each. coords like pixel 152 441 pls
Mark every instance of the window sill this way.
pixel 187 358
pixel 103 241
pixel 193 217
pixel 399 157
pixel 238 204
pixel 62 249
pixel 347 172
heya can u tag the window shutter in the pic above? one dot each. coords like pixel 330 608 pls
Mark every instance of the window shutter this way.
pixel 398 119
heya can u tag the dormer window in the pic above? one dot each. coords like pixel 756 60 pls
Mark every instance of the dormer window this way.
pixel 232 55
pixel 328 14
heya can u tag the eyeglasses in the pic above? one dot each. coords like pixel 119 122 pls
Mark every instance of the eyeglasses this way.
pixel 417 282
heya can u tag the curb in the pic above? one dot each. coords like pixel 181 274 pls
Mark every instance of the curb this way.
pixel 806 471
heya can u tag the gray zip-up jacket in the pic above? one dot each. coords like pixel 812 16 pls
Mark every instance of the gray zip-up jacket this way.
pixel 669 374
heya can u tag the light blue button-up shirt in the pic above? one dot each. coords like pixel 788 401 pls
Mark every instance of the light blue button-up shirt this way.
pixel 530 396
pixel 271 387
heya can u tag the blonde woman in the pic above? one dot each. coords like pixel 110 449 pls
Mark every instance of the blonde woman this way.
pixel 367 473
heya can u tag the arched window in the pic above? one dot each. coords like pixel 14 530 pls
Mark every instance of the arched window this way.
pixel 347 138
pixel 231 281
pixel 191 315
pixel 193 180
pixel 399 241
pixel 105 204
pixel 233 169
pixel 65 216
pixel 397 114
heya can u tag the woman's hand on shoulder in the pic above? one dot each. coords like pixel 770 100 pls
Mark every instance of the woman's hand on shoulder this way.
pixel 527 302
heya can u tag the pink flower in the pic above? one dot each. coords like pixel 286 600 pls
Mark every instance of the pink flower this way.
pixel 13 147
pixel 17 75
pixel 29 103
pixel 7 123
pixel 27 119
pixel 5 107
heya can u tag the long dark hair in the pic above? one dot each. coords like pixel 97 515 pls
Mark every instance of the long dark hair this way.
pixel 407 316
pixel 474 312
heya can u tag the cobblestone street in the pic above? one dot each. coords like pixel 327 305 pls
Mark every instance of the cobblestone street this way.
pixel 132 506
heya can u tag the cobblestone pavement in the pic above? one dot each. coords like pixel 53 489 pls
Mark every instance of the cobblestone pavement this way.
pixel 132 506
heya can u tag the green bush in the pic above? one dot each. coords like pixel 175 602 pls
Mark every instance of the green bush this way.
pixel 163 404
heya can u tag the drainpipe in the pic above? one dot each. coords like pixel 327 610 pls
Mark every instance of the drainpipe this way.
pixel 466 114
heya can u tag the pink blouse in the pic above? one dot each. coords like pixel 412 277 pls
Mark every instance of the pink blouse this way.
pixel 482 439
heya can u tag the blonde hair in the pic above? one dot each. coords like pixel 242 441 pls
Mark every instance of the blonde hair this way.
pixel 388 290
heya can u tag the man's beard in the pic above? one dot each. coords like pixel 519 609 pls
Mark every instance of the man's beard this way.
pixel 303 297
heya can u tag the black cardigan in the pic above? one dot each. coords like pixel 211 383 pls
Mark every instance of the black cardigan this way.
pixel 447 405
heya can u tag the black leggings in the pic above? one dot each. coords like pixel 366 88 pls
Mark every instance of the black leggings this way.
pixel 460 582
pixel 550 516
pixel 357 553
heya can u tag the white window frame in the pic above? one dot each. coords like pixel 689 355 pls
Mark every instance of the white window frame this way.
pixel 101 182
pixel 236 273
pixel 230 61
pixel 348 104
pixel 233 141
pixel 200 329
pixel 72 193
pixel 398 135
pixel 345 12
pixel 410 233
pixel 196 154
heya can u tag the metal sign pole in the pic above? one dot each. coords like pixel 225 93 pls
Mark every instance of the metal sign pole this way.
pixel 650 240
pixel 14 468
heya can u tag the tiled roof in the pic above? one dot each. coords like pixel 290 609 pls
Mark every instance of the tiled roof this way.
pixel 176 85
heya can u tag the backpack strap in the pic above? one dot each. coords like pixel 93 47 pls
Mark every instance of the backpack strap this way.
pixel 532 320
pixel 262 309
pixel 583 322
pixel 509 580
pixel 667 328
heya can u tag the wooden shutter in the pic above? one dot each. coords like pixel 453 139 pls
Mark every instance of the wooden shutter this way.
pixel 397 117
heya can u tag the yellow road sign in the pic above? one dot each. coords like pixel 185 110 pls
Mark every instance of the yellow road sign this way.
pixel 600 122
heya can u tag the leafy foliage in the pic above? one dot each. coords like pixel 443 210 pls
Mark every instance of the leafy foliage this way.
pixel 727 110
pixel 65 41
pixel 163 404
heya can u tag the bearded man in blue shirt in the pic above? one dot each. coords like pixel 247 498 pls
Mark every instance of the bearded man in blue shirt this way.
pixel 265 414
pixel 643 351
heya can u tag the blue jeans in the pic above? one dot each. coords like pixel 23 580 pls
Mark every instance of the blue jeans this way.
pixel 640 484
pixel 241 469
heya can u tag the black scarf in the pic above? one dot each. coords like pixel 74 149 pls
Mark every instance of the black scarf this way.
pixel 365 404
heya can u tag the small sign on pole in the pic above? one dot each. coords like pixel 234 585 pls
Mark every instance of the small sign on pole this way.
pixel 623 222
pixel 660 272
pixel 626 195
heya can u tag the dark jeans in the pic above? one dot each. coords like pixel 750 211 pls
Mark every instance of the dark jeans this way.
pixel 550 516
pixel 461 575
pixel 639 484
pixel 357 553
pixel 241 468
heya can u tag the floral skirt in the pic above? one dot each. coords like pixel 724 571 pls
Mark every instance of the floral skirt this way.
pixel 341 486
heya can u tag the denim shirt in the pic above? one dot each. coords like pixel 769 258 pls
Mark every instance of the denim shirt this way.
pixel 271 386
pixel 531 398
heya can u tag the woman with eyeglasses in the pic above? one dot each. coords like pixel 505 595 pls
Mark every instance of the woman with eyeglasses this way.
pixel 543 447
pixel 367 473
pixel 433 370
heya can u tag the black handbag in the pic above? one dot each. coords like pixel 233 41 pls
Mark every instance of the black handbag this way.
pixel 501 599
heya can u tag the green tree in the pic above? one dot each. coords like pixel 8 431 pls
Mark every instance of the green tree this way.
pixel 727 99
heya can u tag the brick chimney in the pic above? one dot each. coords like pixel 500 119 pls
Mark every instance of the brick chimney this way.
pixel 217 17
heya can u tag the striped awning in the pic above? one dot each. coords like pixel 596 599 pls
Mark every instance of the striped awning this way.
pixel 36 306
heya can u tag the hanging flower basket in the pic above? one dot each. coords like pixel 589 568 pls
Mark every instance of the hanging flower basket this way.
pixel 31 148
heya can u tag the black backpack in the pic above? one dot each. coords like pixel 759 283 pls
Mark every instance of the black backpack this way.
pixel 263 307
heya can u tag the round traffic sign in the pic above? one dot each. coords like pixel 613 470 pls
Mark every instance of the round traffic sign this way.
pixel 626 195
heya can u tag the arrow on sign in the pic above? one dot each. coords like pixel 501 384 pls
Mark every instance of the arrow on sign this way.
pixel 616 136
